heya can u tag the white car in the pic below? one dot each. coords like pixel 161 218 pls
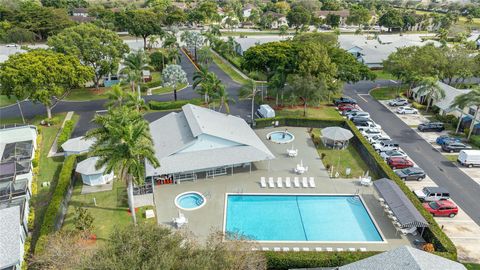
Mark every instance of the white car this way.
pixel 371 132
pixel 393 153
pixel 11 45
pixel 398 102
pixel 378 138
pixel 358 114
pixel 407 110
pixel 366 125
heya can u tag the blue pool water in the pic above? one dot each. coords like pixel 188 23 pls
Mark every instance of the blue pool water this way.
pixel 280 137
pixel 300 218
pixel 190 200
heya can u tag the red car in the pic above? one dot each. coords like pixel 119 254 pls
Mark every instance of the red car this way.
pixel 399 163
pixel 442 208
pixel 347 107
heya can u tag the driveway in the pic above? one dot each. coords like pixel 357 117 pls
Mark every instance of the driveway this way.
pixel 464 190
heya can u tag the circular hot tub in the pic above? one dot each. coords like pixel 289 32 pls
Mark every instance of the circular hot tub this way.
pixel 190 200
pixel 280 137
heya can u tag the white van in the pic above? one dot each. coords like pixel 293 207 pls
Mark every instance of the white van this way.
pixel 265 111
pixel 469 158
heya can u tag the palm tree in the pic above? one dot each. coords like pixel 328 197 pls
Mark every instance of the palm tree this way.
pixel 222 95
pixel 116 97
pixel 205 56
pixel 250 90
pixel 135 63
pixel 123 145
pixel 173 55
pixel 469 99
pixel 430 89
pixel 204 79
pixel 169 41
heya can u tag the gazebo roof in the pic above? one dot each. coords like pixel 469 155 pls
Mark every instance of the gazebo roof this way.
pixel 336 134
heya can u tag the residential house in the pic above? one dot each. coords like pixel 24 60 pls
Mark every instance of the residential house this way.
pixel 77 146
pixel 91 175
pixel 247 10
pixel 12 237
pixel 80 12
pixel 343 14
pixel 278 19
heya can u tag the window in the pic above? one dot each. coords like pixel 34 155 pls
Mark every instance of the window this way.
pixel 471 111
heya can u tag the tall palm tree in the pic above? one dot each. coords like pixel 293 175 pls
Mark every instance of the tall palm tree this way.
pixel 135 63
pixel 123 144
pixel 169 41
pixel 469 99
pixel 205 55
pixel 204 79
pixel 249 91
pixel 222 95
pixel 430 89
pixel 116 96
pixel 173 55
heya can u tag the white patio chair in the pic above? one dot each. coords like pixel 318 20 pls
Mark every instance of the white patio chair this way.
pixel 304 182
pixel 352 249
pixel 286 249
pixel 271 184
pixel 296 182
pixel 362 249
pixel 296 249
pixel 305 249
pixel 340 249
pixel 311 182
pixel 276 249
pixel 254 249
pixel 263 183
pixel 288 183
pixel 329 249
pixel 318 249
pixel 265 249
pixel 279 182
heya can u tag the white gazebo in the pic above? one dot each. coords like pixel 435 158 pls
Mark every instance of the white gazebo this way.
pixel 90 175
pixel 336 137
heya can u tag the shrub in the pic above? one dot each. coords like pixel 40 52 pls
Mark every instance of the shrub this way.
pixel 418 106
pixel 53 208
pixel 65 133
pixel 172 105
pixel 475 140
pixel 289 260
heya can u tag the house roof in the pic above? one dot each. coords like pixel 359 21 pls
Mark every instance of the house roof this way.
pixel 450 94
pixel 87 167
pixel 274 14
pixel 80 10
pixel 18 134
pixel 342 13
pixel 10 243
pixel 176 131
pixel 78 144
pixel 404 258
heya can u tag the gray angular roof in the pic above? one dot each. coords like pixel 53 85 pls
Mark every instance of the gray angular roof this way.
pixel 78 144
pixel 87 167
pixel 403 258
pixel 10 244
pixel 450 94
pixel 176 131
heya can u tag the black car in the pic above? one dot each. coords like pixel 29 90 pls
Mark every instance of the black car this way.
pixel 345 100
pixel 413 173
pixel 432 126
pixel 454 146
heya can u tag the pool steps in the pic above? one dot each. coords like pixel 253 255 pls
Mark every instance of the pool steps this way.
pixel 307 182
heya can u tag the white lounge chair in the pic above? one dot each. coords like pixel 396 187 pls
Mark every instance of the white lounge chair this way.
pixel 296 249
pixel 265 249
pixel 362 249
pixel 271 184
pixel 329 249
pixel 304 182
pixel 351 249
pixel 263 183
pixel 288 183
pixel 180 221
pixel 279 182
pixel 276 249
pixel 318 249
pixel 254 249
pixel 296 182
pixel 340 249
pixel 305 249
pixel 311 182
pixel 286 249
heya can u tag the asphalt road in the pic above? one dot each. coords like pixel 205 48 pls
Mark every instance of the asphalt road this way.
pixel 464 191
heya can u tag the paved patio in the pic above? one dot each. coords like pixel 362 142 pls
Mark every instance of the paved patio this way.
pixel 210 217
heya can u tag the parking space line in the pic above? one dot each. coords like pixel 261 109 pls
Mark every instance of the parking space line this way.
pixel 360 96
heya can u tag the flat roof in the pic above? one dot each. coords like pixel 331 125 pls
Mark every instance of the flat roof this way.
pixel 10 241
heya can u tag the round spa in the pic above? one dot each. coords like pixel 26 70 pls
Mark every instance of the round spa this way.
pixel 280 137
pixel 190 200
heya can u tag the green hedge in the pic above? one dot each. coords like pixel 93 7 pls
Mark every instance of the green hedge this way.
pixel 297 122
pixel 65 133
pixel 172 105
pixel 433 234
pixel 53 208
pixel 289 260
pixel 475 140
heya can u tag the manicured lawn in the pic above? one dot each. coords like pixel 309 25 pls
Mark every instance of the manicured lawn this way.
pixel 341 159
pixel 229 70
pixel 167 89
pixel 4 100
pixel 472 266
pixel 452 158
pixel 386 93
pixel 383 75
pixel 323 112
pixel 110 212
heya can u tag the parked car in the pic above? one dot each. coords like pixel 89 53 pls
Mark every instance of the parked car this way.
pixel 455 147
pixel 345 100
pixel 469 158
pixel 378 138
pixel 443 208
pixel 385 146
pixel 431 126
pixel 398 102
pixel 265 111
pixel 371 132
pixel 358 114
pixel 441 140
pixel 363 125
pixel 347 111
pixel 413 173
pixel 361 118
pixel 12 45
pixel 399 163
pixel 394 153
pixel 346 106
pixel 407 110
pixel 430 194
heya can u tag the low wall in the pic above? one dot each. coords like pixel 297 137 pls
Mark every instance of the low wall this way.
pixel 143 200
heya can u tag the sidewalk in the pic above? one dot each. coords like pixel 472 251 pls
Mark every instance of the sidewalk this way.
pixel 54 148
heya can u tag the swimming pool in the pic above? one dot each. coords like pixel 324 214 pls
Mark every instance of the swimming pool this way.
pixel 190 200
pixel 280 137
pixel 316 218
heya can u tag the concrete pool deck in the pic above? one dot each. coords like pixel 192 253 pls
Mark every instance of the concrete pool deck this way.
pixel 210 217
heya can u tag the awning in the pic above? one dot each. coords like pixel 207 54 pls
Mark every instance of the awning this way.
pixel 403 209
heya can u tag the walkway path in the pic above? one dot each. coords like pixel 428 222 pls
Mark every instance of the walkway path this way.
pixel 54 148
